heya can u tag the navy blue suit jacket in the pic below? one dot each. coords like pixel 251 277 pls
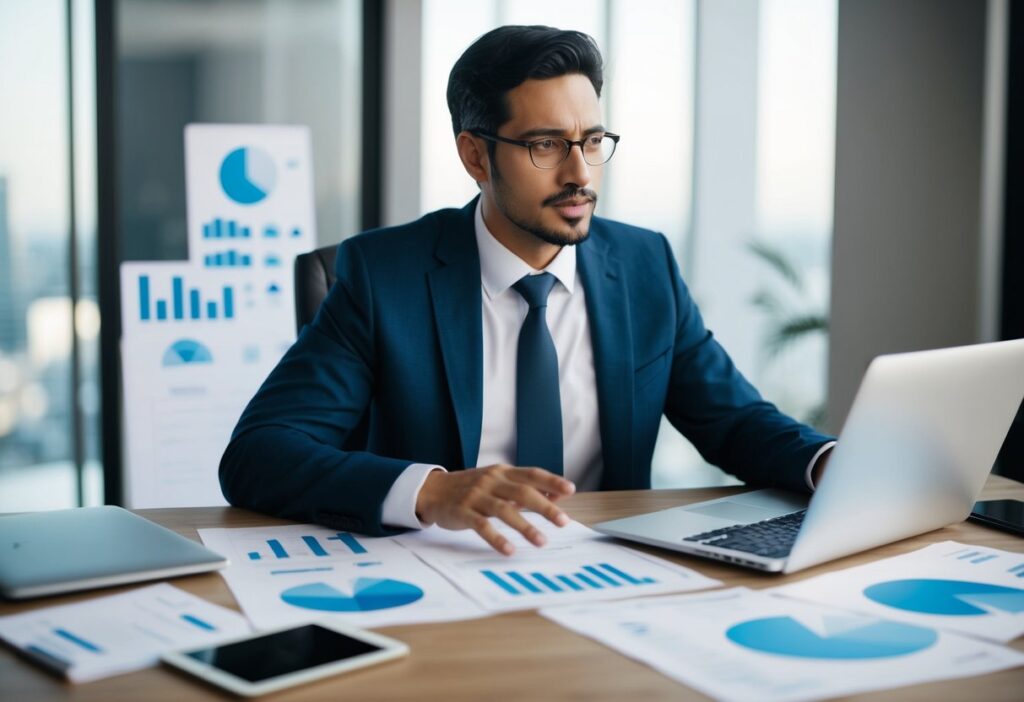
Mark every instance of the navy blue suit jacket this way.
pixel 397 344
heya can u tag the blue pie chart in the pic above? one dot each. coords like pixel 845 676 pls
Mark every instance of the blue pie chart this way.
pixel 957 598
pixel 368 594
pixel 247 175
pixel 845 638
pixel 186 352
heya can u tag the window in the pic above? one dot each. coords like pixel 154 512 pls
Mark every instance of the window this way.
pixel 49 321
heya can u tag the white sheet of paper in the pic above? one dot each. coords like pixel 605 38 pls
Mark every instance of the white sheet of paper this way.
pixel 291 574
pixel 970 589
pixel 576 565
pixel 106 636
pixel 741 645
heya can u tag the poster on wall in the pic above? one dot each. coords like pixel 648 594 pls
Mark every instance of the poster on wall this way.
pixel 200 336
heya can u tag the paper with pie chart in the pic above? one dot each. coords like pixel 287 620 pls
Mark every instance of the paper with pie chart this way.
pixel 741 645
pixel 296 573
pixel 576 565
pixel 970 589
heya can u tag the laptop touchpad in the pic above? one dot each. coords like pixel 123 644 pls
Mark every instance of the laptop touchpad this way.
pixel 734 511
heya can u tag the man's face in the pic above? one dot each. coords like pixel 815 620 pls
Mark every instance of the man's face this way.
pixel 553 204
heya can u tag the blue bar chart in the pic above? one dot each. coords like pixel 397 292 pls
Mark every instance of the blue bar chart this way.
pixel 310 546
pixel 598 576
pixel 183 304
pixel 226 229
pixel 231 258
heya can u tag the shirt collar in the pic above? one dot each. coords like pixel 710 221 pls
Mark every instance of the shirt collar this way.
pixel 500 269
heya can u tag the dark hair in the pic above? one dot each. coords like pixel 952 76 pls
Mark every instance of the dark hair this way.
pixel 505 58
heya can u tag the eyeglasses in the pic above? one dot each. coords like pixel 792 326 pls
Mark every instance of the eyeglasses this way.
pixel 549 152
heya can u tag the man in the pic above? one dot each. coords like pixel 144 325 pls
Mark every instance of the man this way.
pixel 520 334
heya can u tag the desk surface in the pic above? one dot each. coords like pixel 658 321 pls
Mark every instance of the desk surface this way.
pixel 514 656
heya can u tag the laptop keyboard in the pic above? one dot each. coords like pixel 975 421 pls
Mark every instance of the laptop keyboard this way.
pixel 772 538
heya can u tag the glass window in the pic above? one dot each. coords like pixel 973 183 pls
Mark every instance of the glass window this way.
pixel 42 324
pixel 795 185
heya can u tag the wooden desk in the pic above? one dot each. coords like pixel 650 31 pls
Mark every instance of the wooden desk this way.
pixel 518 656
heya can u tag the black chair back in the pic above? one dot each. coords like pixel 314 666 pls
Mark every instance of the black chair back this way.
pixel 314 276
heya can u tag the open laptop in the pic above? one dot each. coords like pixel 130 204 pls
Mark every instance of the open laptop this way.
pixel 46 553
pixel 913 455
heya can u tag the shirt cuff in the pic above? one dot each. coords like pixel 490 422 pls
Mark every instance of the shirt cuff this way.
pixel 825 448
pixel 399 508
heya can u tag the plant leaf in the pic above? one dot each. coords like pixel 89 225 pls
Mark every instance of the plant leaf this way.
pixel 775 258
pixel 768 303
pixel 794 329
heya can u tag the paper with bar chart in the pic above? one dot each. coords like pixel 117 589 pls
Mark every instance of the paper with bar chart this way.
pixel 949 585
pixel 576 565
pixel 741 645
pixel 110 635
pixel 290 574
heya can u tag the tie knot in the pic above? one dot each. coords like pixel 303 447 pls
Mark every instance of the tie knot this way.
pixel 535 289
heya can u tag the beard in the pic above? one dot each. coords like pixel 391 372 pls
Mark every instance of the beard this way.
pixel 577 234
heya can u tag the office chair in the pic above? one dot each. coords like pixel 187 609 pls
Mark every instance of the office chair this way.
pixel 314 276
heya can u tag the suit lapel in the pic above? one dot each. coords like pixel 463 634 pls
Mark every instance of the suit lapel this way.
pixel 455 295
pixel 611 334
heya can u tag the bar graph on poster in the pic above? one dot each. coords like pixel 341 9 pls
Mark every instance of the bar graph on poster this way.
pixel 200 335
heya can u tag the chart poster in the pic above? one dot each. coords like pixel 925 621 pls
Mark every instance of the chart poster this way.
pixel 199 336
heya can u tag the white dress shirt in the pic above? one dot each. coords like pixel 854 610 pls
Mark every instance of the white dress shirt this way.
pixel 503 313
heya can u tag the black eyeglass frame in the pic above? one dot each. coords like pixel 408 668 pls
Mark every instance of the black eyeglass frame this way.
pixel 530 144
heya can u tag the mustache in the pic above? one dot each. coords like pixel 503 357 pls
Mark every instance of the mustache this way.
pixel 570 193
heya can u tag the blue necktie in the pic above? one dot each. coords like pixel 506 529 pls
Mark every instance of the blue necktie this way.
pixel 538 404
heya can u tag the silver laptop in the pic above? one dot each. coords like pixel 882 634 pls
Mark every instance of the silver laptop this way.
pixel 913 456
pixel 45 553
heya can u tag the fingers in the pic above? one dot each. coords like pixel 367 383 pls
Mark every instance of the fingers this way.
pixel 530 498
pixel 482 526
pixel 510 514
pixel 543 480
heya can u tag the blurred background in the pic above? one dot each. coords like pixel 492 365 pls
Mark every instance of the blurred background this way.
pixel 836 177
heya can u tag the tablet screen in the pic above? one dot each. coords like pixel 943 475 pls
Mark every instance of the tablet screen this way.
pixel 283 652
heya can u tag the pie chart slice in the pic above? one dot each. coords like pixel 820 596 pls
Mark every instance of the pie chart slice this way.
pixel 247 175
pixel 875 638
pixel 957 598
pixel 186 352
pixel 368 594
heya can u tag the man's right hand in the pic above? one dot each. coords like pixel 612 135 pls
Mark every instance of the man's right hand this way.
pixel 466 499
